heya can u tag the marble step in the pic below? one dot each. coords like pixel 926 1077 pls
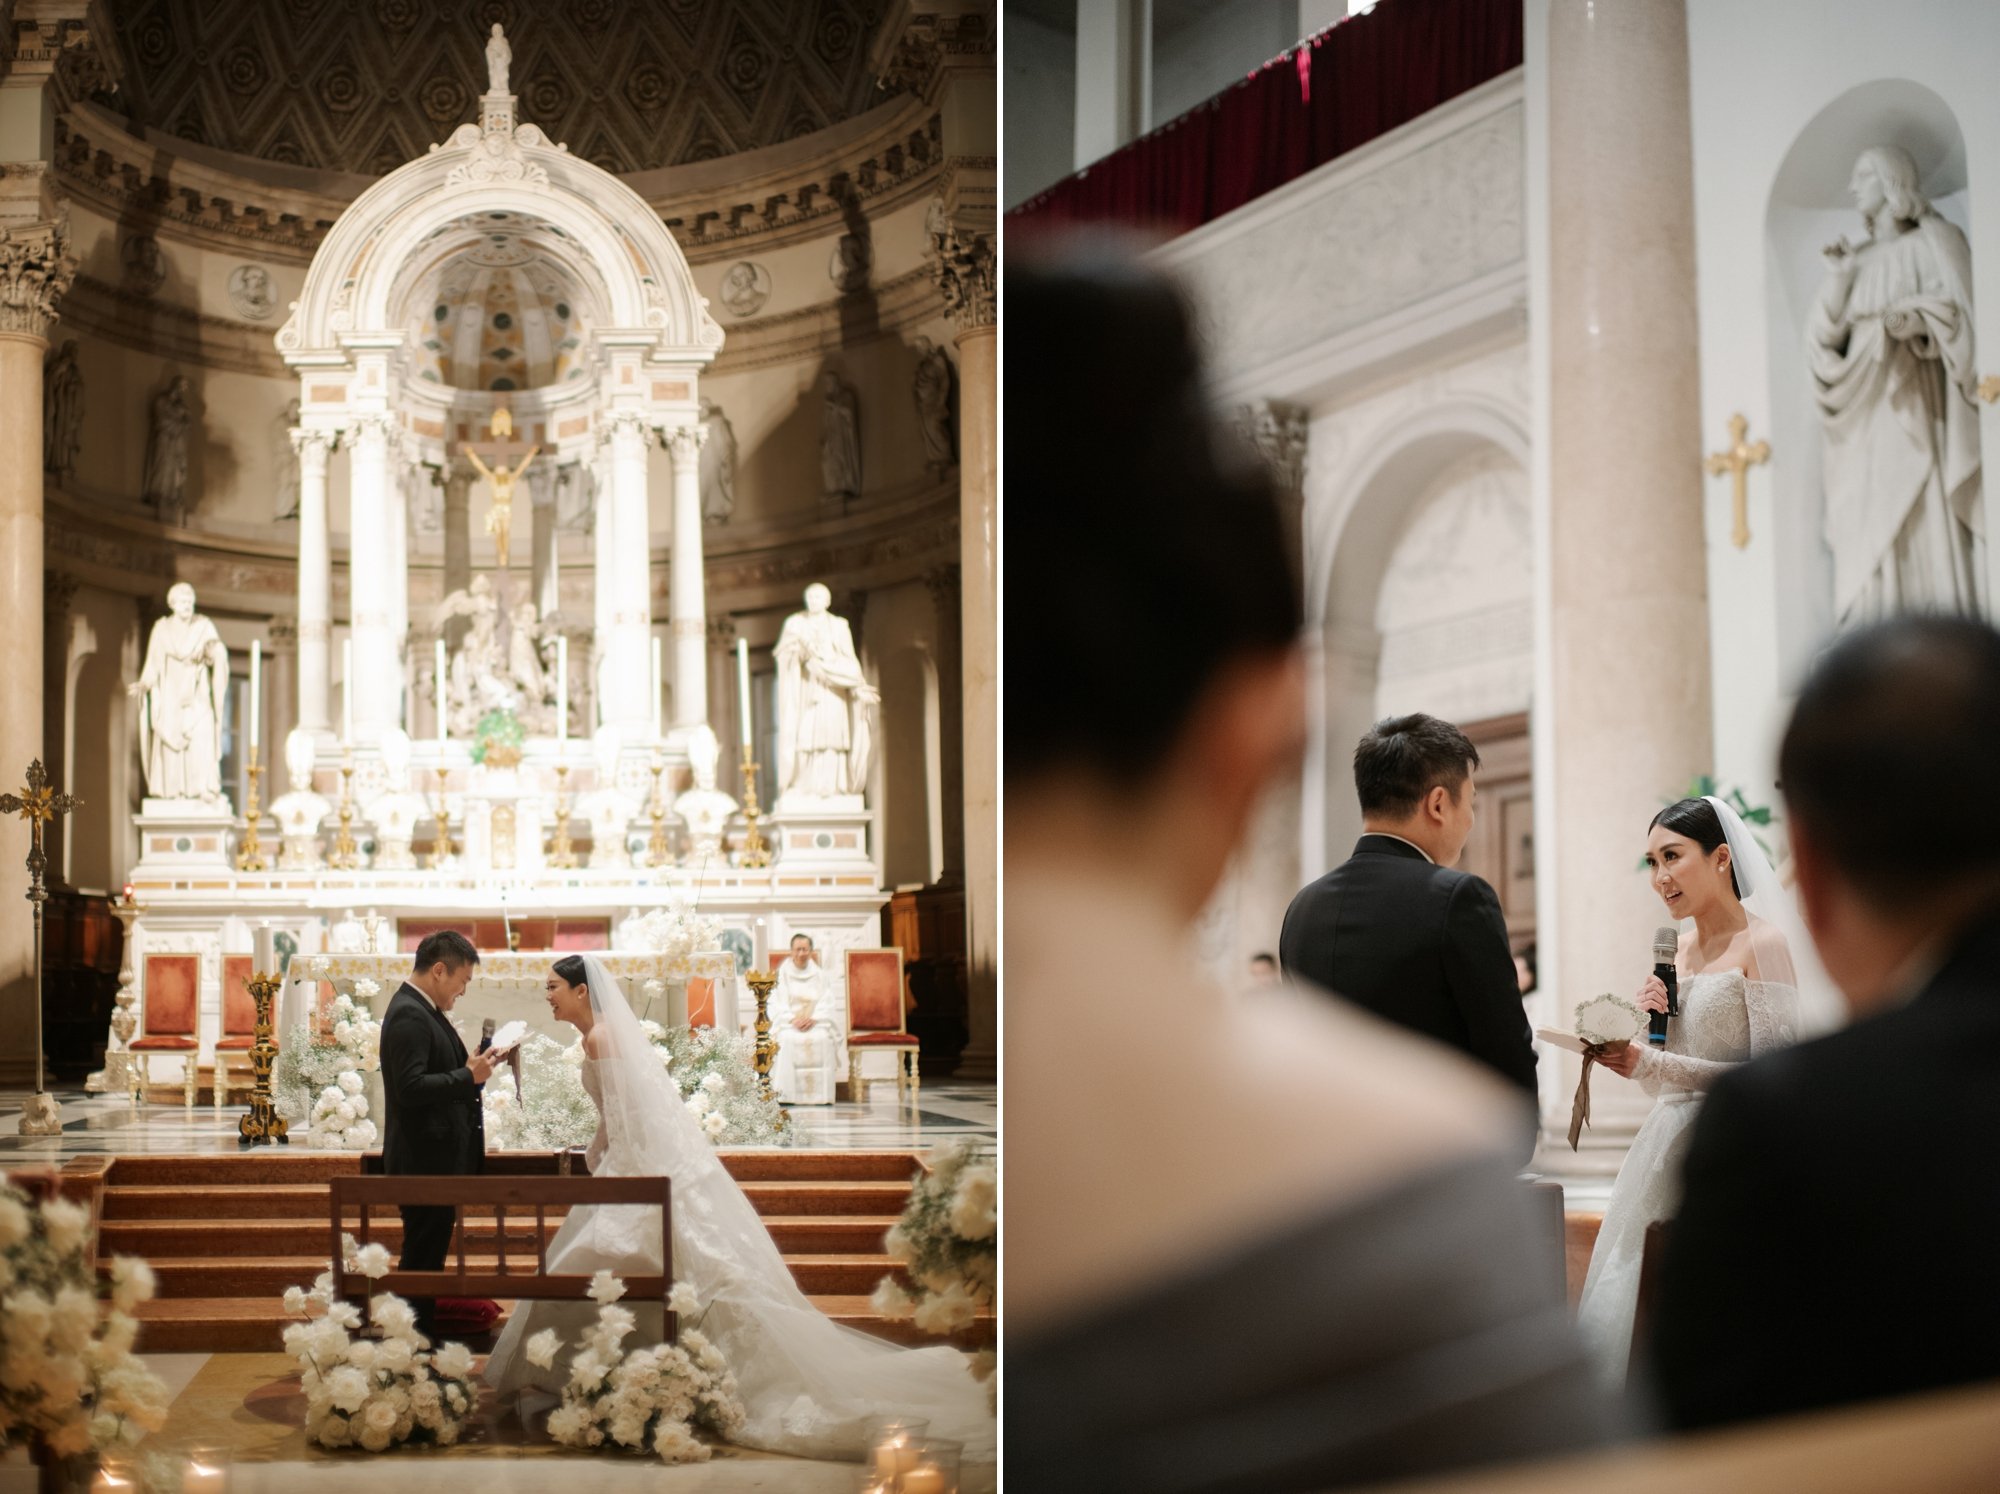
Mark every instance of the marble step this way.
pixel 232 1276
pixel 213 1325
pixel 311 1200
pixel 283 1165
pixel 163 1239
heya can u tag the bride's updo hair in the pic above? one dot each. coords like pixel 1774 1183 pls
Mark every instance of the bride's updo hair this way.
pixel 571 969
pixel 1694 818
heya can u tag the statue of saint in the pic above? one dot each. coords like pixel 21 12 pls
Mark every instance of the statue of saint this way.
pixel 498 56
pixel 62 410
pixel 185 683
pixel 839 439
pixel 1889 343
pixel 477 677
pixel 824 704
pixel 718 465
pixel 286 453
pixel 932 392
pixel 165 485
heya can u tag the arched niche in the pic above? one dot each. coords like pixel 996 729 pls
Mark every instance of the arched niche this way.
pixel 1808 208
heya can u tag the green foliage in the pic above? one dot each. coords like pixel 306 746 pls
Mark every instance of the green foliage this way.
pixel 498 728
pixel 1757 818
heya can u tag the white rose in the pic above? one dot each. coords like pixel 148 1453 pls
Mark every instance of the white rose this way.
pixel 376 1439
pixel 890 1300
pixel 605 1288
pixel 395 1317
pixel 348 1388
pixel 361 1354
pixel 132 1282
pixel 542 1349
pixel 567 1422
pixel 683 1300
pixel 453 1361
pixel 372 1261
pixel 336 1432
pixel 66 1224
pixel 350 1082
pixel 896 1245
pixel 715 1123
pixel 295 1304
pixel 700 1103
pixel 14 1221
pixel 974 1207
pixel 380 1416
pixel 616 1322
pixel 715 1084
pixel 587 1370
pixel 675 1444
pixel 948 1311
pixel 332 1094
pixel 360 1104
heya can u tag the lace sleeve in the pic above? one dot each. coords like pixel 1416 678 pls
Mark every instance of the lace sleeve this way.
pixel 1773 1013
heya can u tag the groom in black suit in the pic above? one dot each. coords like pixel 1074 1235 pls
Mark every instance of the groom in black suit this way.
pixel 1840 1222
pixel 1394 928
pixel 433 1122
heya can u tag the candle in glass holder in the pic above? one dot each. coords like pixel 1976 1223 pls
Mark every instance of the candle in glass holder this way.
pixel 934 1467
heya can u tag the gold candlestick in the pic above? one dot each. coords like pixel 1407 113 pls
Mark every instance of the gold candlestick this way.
pixel 761 982
pixel 755 852
pixel 441 843
pixel 263 1125
pixel 562 857
pixel 657 851
pixel 346 855
pixel 38 804
pixel 250 854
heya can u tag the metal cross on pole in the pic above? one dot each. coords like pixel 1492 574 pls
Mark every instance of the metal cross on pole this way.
pixel 38 804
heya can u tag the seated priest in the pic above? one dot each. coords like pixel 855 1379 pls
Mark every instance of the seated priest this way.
pixel 802 1008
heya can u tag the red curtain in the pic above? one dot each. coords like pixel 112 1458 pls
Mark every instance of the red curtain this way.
pixel 1337 90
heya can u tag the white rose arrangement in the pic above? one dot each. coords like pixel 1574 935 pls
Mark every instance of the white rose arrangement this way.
pixel 947 1242
pixel 652 1398
pixel 374 1394
pixel 716 1074
pixel 552 1112
pixel 678 931
pixel 68 1375
pixel 319 1078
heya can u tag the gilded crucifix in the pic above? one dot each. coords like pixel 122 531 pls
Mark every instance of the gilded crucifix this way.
pixel 38 804
pixel 1737 458
pixel 500 518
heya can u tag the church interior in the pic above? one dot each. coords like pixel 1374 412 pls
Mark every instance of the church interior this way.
pixel 521 470
pixel 1543 319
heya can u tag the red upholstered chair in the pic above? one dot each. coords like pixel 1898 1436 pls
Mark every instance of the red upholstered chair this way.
pixel 875 1018
pixel 169 1006
pixel 239 1020
pixel 701 1001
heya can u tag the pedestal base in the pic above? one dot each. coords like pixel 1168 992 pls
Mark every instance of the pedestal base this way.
pixel 825 832
pixel 184 835
pixel 41 1116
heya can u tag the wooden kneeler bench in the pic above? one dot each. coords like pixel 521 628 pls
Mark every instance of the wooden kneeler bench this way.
pixel 527 1195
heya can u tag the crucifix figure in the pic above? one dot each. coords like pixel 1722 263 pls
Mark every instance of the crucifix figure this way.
pixel 38 804
pixel 1737 459
pixel 499 519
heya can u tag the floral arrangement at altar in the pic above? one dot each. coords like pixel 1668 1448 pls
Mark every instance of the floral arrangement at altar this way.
pixel 551 1113
pixel 320 1077
pixel 677 931
pixel 947 1241
pixel 369 1393
pixel 497 739
pixel 655 1397
pixel 716 1073
pixel 68 1376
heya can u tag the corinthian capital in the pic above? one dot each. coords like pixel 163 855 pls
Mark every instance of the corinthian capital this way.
pixel 36 267
pixel 962 267
pixel 684 441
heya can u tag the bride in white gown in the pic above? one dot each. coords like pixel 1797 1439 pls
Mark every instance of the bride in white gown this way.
pixel 1741 953
pixel 808 1385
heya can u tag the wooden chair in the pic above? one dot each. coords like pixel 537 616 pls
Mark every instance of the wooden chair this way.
pixel 239 1020
pixel 1651 1254
pixel 169 1008
pixel 361 1194
pixel 875 1019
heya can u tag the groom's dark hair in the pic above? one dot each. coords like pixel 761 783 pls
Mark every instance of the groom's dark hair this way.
pixel 1403 758
pixel 447 947
pixel 1895 716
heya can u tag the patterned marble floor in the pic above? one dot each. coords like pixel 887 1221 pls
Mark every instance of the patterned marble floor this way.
pixel 101 1124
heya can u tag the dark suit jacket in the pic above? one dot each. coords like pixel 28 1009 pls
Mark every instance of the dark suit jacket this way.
pixel 433 1121
pixel 1842 1213
pixel 1423 946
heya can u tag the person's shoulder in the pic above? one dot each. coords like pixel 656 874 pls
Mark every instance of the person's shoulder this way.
pixel 597 1041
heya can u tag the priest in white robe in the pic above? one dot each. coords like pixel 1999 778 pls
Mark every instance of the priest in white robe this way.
pixel 801 1010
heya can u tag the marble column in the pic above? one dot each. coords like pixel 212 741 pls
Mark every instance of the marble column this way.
pixel 943 583
pixel 964 271
pixel 281 649
pixel 1629 714
pixel 687 606
pixel 629 663
pixel 401 476
pixel 377 680
pixel 542 562
pixel 315 625
pixel 457 483
pixel 35 270
pixel 604 612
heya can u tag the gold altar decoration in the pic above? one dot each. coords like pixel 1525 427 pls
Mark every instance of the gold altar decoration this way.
pixel 1736 459
pixel 755 853
pixel 658 852
pixel 38 804
pixel 262 1125
pixel 761 982
pixel 503 837
pixel 345 856
pixel 441 845
pixel 562 855
pixel 250 854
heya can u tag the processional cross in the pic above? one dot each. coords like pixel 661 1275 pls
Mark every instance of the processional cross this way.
pixel 1737 459
pixel 499 519
pixel 38 804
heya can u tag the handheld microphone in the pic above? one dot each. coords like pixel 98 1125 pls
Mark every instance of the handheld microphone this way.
pixel 1666 946
pixel 485 1035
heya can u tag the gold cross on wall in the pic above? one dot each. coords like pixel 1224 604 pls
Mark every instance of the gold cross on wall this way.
pixel 1737 459
pixel 37 804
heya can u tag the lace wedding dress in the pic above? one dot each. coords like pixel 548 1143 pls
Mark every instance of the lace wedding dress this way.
pixel 809 1386
pixel 1725 1020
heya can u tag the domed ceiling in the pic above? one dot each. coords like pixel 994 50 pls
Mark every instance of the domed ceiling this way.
pixel 365 85
pixel 492 302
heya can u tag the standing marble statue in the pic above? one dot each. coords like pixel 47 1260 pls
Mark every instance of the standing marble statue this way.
pixel 498 56
pixel 185 684
pixel 285 450
pixel 839 438
pixel 1889 342
pixel 718 465
pixel 165 485
pixel 62 410
pixel 932 392
pixel 824 704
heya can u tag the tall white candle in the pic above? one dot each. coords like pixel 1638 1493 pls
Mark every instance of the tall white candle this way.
pixel 562 689
pixel 743 691
pixel 346 690
pixel 657 678
pixel 265 961
pixel 439 691
pixel 256 692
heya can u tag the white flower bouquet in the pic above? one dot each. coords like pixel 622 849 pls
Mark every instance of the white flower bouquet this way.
pixel 678 931
pixel 68 1375
pixel 318 1079
pixel 716 1074
pixel 374 1393
pixel 552 1111
pixel 340 1116
pixel 947 1242
pixel 650 1399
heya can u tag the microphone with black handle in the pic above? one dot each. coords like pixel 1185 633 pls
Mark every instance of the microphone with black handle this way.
pixel 1666 948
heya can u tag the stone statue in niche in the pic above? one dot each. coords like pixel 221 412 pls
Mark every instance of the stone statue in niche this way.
pixel 286 455
pixel 165 486
pixel 932 392
pixel 498 56
pixel 299 811
pixel 145 266
pixel 1889 345
pixel 848 268
pixel 185 685
pixel 839 438
pixel 704 808
pixel 718 465
pixel 250 292
pixel 62 410
pixel 825 705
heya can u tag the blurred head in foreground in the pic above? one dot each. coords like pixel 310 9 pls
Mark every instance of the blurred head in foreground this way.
pixel 1888 770
pixel 1153 684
